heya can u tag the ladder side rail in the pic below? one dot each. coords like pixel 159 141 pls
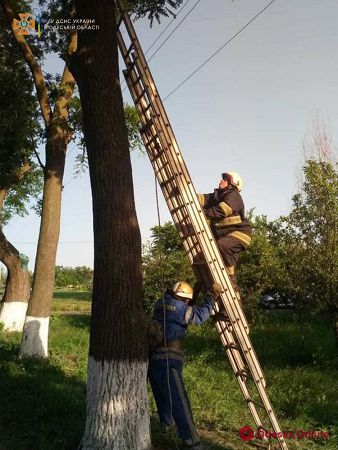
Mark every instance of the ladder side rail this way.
pixel 183 191
pixel 239 362
pixel 237 319
pixel 167 125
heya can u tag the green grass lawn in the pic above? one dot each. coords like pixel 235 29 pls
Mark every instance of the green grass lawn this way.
pixel 42 403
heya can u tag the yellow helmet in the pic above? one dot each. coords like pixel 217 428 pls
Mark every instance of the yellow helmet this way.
pixel 183 289
pixel 234 179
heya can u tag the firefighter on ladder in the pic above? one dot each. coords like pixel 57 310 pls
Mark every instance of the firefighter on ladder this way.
pixel 224 209
pixel 174 314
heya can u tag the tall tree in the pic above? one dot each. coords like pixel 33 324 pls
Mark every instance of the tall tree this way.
pixel 19 178
pixel 311 236
pixel 55 113
pixel 117 415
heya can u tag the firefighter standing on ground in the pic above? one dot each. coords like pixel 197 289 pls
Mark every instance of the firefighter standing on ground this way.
pixel 224 209
pixel 174 314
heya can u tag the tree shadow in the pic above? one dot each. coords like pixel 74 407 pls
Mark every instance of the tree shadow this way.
pixel 75 295
pixel 40 407
pixel 81 321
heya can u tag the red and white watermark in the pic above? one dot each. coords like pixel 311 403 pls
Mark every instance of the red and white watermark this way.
pixel 247 433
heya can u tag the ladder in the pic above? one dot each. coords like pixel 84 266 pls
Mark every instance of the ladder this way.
pixel 198 241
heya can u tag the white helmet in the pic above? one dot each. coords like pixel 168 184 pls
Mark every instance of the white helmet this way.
pixel 234 179
pixel 183 289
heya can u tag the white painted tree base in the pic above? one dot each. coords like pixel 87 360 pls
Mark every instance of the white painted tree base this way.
pixel 12 315
pixel 117 406
pixel 35 337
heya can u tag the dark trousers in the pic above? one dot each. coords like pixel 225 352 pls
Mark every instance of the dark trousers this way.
pixel 170 395
pixel 230 249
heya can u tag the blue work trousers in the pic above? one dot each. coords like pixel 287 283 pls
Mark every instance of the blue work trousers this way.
pixel 170 395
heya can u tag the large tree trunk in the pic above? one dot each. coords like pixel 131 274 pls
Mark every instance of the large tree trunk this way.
pixel 14 303
pixel 117 411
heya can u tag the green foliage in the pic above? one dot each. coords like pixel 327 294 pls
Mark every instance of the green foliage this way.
pixel 310 235
pixel 133 125
pixel 154 9
pixel 56 41
pixel 21 194
pixel 20 128
pixel 73 277
pixel 261 268
pixel 164 263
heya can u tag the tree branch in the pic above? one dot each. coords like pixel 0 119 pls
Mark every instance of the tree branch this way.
pixel 34 66
pixel 39 160
pixel 3 193
pixel 66 89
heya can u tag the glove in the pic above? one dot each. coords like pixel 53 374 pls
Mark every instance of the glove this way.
pixel 215 290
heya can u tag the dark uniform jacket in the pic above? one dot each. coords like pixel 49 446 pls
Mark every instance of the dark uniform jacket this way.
pixel 178 315
pixel 224 209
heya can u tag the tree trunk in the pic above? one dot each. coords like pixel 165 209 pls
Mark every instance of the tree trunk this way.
pixel 117 411
pixel 35 332
pixel 14 303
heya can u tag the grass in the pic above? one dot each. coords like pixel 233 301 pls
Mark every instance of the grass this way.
pixel 42 403
pixel 71 301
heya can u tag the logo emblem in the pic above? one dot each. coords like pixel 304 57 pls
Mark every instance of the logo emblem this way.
pixel 246 433
pixel 25 24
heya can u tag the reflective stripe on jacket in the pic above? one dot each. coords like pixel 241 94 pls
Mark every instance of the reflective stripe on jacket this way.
pixel 224 208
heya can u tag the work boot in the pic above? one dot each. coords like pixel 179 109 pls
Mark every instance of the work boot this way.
pixel 188 446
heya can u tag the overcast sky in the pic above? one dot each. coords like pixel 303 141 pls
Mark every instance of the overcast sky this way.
pixel 249 109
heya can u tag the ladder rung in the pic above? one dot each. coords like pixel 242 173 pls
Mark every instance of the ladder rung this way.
pixel 244 373
pixel 158 155
pixel 137 81
pixel 140 96
pixel 131 47
pixel 158 170
pixel 168 181
pixel 146 125
pixel 232 346
pixel 152 139
pixel 178 208
pixel 130 66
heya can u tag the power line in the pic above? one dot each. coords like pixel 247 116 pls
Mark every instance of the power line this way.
pixel 219 49
pixel 173 31
pixel 169 36
pixel 165 29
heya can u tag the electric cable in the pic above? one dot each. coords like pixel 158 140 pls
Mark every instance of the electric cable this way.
pixel 165 29
pixel 173 31
pixel 219 49
pixel 168 37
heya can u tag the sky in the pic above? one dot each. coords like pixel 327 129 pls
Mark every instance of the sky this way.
pixel 249 110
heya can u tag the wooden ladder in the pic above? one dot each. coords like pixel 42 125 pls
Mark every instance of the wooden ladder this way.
pixel 188 216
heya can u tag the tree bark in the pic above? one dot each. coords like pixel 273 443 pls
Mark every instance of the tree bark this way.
pixel 14 303
pixel 35 333
pixel 117 411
